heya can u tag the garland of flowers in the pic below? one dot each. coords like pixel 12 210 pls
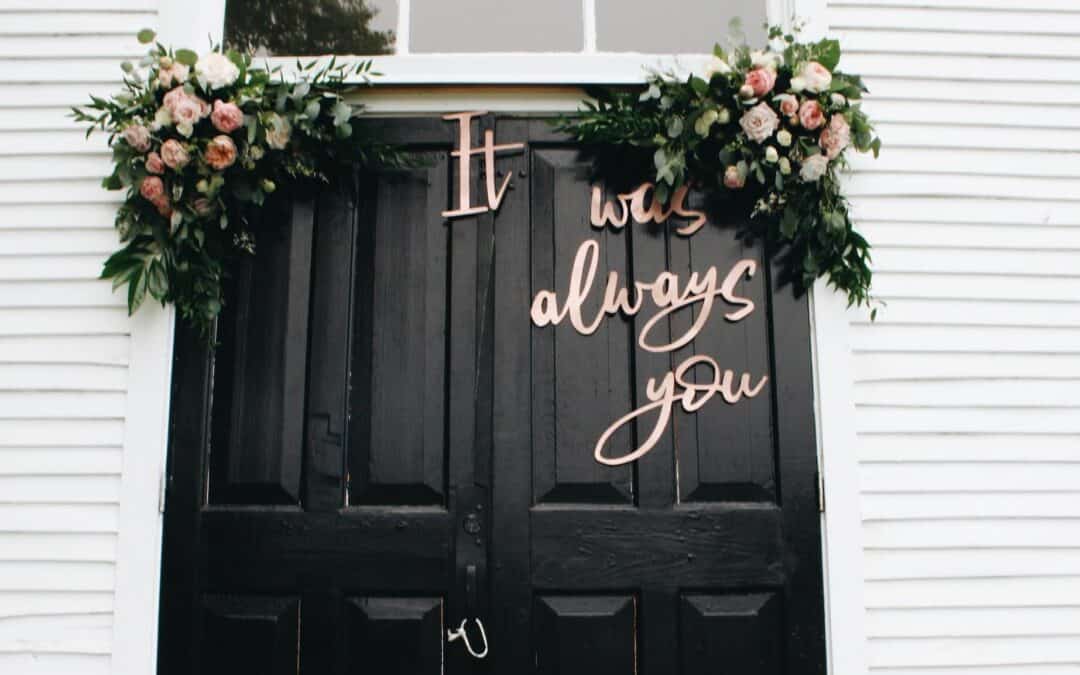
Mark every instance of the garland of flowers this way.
pixel 774 124
pixel 198 143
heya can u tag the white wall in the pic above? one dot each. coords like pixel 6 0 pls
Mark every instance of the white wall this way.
pixel 64 338
pixel 967 420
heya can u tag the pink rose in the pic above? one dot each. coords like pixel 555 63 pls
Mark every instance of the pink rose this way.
pixel 733 178
pixel 761 80
pixel 154 163
pixel 137 136
pixel 174 154
pixel 835 137
pixel 220 153
pixel 153 190
pixel 789 105
pixel 227 117
pixel 759 122
pixel 811 116
pixel 185 109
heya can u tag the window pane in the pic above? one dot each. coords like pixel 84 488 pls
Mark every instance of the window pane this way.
pixel 309 27
pixel 496 26
pixel 674 26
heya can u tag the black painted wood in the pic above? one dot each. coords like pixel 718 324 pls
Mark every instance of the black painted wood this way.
pixel 385 445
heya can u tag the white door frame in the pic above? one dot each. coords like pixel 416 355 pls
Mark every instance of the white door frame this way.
pixel 513 83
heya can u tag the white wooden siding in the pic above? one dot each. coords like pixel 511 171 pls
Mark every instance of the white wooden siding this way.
pixel 64 337
pixel 965 388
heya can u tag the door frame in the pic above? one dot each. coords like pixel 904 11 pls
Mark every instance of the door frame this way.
pixel 517 83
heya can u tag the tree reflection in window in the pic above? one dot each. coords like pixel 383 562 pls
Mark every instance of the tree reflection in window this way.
pixel 308 27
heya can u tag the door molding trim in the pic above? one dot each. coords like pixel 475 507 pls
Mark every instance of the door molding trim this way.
pixel 137 589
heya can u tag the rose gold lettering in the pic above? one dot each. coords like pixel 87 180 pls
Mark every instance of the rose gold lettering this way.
pixel 464 153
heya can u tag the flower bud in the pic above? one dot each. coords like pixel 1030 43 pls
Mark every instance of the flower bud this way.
pixel 746 91
pixel 723 116
pixel 268 185
pixel 838 99
pixel 771 156
pixel 783 137
pixel 785 166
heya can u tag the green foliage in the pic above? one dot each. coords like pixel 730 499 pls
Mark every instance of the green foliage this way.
pixel 182 223
pixel 690 127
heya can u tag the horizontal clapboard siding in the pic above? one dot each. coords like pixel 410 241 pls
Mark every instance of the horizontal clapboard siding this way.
pixel 968 421
pixel 64 336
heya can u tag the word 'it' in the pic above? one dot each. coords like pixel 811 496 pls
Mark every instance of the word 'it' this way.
pixel 464 154
pixel 633 205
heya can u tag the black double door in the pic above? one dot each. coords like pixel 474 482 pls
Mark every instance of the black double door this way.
pixel 384 445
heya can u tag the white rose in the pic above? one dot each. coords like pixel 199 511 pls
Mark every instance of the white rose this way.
pixel 764 59
pixel 771 156
pixel 797 84
pixel 815 77
pixel 783 137
pixel 278 132
pixel 837 99
pixel 813 168
pixel 162 118
pixel 759 122
pixel 716 66
pixel 216 70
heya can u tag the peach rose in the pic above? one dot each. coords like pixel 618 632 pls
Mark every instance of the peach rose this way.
pixel 733 178
pixel 172 72
pixel 220 153
pixel 811 115
pixel 789 105
pixel 835 137
pixel 759 122
pixel 761 80
pixel 154 163
pixel 137 136
pixel 174 154
pixel 226 117
pixel 185 109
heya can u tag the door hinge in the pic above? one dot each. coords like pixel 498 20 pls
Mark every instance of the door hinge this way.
pixel 163 483
pixel 820 493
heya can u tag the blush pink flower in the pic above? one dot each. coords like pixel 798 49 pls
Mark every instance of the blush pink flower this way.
pixel 835 137
pixel 733 178
pixel 761 80
pixel 813 77
pixel 220 152
pixel 174 154
pixel 789 105
pixel 137 136
pixel 759 122
pixel 226 117
pixel 152 190
pixel 154 164
pixel 811 116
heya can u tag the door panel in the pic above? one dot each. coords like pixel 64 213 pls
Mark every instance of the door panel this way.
pixel 385 445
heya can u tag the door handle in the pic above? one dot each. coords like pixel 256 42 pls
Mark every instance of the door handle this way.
pixel 471 602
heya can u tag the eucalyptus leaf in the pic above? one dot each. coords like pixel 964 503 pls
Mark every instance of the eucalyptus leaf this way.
pixel 186 57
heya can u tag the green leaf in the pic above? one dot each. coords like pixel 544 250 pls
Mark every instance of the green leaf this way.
pixel 828 53
pixel 127 67
pixel 112 182
pixel 146 36
pixel 186 57
pixel 700 86
pixel 789 222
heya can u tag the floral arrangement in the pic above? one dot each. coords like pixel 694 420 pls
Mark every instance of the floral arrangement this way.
pixel 198 143
pixel 774 124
